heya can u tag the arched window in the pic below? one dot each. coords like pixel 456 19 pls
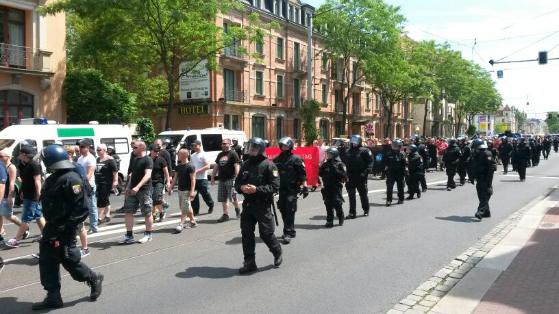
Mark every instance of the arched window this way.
pixel 15 105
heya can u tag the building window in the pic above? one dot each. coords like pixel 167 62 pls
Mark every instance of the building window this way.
pixel 296 93
pixel 258 126
pixel 377 101
pixel 356 100
pixel 324 129
pixel 324 63
pixel 279 86
pixel 279 48
pixel 296 56
pixel 368 101
pixel 296 128
pixel 297 19
pixel 12 37
pixel 277 7
pixel 354 71
pixel 324 93
pixel 14 105
pixel 258 4
pixel 259 83
pixel 290 14
pixel 338 127
pixel 338 100
pixel 231 122
pixel 260 48
pixel 279 127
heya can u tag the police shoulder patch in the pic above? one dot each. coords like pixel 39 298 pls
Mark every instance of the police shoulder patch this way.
pixel 275 172
pixel 76 188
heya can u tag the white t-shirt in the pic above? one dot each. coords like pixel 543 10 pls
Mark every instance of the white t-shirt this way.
pixel 199 160
pixel 86 162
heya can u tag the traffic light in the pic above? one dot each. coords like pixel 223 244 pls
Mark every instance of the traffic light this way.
pixel 500 74
pixel 542 57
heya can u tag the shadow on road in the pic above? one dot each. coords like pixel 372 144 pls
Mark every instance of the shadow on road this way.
pixel 309 226
pixel 438 189
pixel 28 261
pixel 239 240
pixel 11 305
pixel 454 218
pixel 318 217
pixel 214 272
pixel 514 180
pixel 377 205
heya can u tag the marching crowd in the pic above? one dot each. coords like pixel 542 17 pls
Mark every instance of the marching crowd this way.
pixel 247 171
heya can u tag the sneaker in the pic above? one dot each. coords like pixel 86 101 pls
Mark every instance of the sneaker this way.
pixel 36 255
pixel 52 301
pixel 193 224
pixel 84 252
pixel 223 218
pixel 100 221
pixel 237 212
pixel 145 239
pixel 96 286
pixel 178 229
pixel 25 235
pixel 210 210
pixel 92 231
pixel 13 243
pixel 127 240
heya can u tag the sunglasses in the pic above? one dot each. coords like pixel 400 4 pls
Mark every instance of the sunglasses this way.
pixel 98 149
pixel 134 147
pixel 224 143
pixel 84 146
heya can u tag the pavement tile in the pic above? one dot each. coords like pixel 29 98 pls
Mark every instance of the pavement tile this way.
pixel 420 293
pixel 401 307
pixel 457 274
pixel 416 298
pixel 393 311
pixel 421 308
pixel 408 302
pixel 432 298
pixel 427 303
pixel 428 285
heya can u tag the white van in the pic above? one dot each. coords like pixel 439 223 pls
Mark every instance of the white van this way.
pixel 41 135
pixel 211 139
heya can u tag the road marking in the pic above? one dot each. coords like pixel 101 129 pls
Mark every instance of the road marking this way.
pixel 384 190
pixel 537 177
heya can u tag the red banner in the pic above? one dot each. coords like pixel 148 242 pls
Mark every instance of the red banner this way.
pixel 310 156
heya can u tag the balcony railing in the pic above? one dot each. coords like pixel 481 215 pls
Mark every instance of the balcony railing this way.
pixel 234 95
pixel 299 66
pixel 234 52
pixel 20 57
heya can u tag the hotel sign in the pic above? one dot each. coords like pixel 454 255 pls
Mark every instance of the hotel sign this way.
pixel 194 109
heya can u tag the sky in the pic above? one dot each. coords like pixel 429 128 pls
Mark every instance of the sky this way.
pixel 500 30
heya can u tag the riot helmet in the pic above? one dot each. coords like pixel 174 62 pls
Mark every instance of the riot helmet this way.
pixel 333 152
pixel 396 144
pixel 55 157
pixel 256 146
pixel 355 140
pixel 286 141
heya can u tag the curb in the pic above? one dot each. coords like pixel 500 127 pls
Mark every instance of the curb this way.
pixel 430 292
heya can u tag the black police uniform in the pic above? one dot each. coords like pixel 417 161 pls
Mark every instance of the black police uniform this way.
pixel 556 144
pixel 522 158
pixel 464 162
pixel 505 151
pixel 62 200
pixel 416 171
pixel 395 173
pixel 292 174
pixel 425 159
pixel 333 174
pixel 257 207
pixel 483 166
pixel 546 147
pixel 359 163
pixel 451 158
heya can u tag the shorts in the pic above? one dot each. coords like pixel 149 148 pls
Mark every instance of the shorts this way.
pixel 5 210
pixel 157 193
pixel 226 191
pixel 31 211
pixel 103 192
pixel 184 202
pixel 141 200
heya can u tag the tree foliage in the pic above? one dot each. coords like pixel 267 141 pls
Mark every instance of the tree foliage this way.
pixel 552 122
pixel 146 130
pixel 90 97
pixel 308 112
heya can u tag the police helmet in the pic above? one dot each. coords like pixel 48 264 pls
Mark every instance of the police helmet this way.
pixel 451 142
pixel 397 144
pixel 412 148
pixel 55 157
pixel 355 140
pixel 286 141
pixel 258 144
pixel 483 145
pixel 333 151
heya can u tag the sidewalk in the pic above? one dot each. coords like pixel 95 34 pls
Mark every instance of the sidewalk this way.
pixel 514 269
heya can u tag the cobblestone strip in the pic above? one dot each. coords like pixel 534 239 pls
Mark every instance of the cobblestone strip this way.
pixel 429 293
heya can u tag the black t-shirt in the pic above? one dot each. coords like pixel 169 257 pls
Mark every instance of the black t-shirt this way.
pixel 183 174
pixel 157 175
pixel 165 155
pixel 104 171
pixel 27 172
pixel 138 167
pixel 225 163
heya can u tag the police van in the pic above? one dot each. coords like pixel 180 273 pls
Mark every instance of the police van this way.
pixel 211 139
pixel 40 133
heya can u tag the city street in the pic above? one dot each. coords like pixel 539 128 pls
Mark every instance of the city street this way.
pixel 366 266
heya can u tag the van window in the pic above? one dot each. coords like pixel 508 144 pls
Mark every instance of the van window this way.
pixel 5 143
pixel 47 142
pixel 70 142
pixel 211 142
pixel 120 144
pixel 175 139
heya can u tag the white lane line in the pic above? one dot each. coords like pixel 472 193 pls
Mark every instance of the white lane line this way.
pixel 384 190
pixel 537 177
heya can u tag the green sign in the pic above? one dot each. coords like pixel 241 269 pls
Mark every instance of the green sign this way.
pixel 75 132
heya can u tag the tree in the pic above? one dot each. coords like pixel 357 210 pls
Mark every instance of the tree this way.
pixel 90 97
pixel 164 32
pixel 552 122
pixel 308 112
pixel 520 118
pixel 146 130
pixel 471 130
pixel 354 32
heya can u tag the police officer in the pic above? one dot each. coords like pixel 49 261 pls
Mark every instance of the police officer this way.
pixel 236 147
pixel 464 161
pixel 546 147
pixel 293 179
pixel 483 166
pixel 505 151
pixel 258 180
pixel 416 171
pixel 65 206
pixel 556 144
pixel 359 163
pixel 451 159
pixel 395 172
pixel 522 157
pixel 422 150
pixel 333 174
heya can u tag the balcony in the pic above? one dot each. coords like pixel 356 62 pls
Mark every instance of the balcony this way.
pixel 234 95
pixel 233 57
pixel 296 102
pixel 298 67
pixel 20 59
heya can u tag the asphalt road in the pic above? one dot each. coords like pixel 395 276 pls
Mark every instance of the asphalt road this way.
pixel 366 266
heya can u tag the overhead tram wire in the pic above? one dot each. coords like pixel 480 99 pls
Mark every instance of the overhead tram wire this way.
pixel 530 19
pixel 528 46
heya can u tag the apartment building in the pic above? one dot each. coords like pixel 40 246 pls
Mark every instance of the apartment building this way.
pixel 260 94
pixel 32 62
